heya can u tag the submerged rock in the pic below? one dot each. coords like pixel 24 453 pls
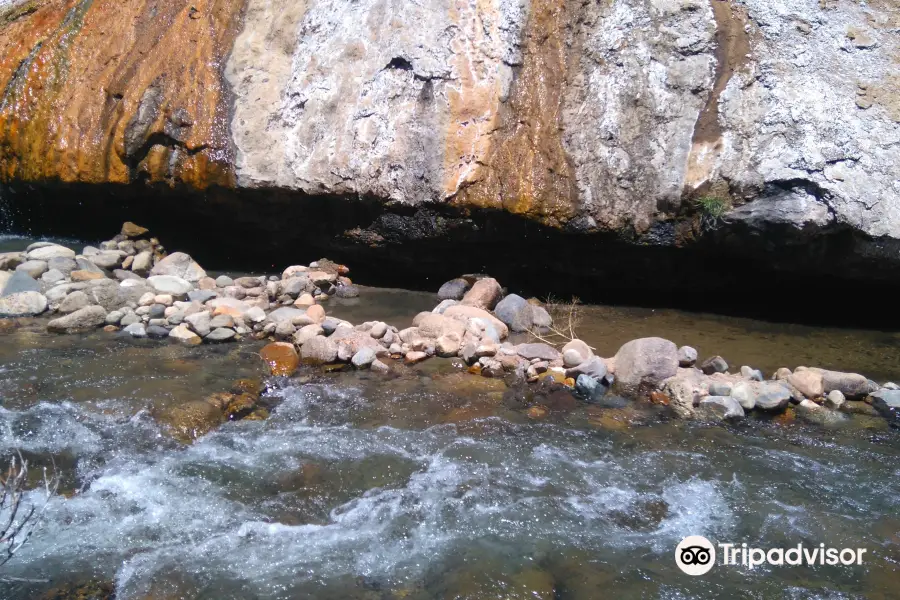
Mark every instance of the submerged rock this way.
pixel 281 358
pixel 84 319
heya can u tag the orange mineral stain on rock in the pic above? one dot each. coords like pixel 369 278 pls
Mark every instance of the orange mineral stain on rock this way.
pixel 113 91
pixel 509 155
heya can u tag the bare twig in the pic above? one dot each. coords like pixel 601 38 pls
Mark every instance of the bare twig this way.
pixel 18 518
pixel 566 319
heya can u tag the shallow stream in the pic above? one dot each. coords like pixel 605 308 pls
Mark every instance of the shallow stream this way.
pixel 433 484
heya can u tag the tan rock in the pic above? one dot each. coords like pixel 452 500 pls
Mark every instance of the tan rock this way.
pixel 77 276
pixel 316 313
pixel 484 294
pixel 305 299
pixel 809 383
pixel 465 313
pixel 281 358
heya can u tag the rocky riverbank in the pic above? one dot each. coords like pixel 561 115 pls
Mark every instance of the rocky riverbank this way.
pixel 130 286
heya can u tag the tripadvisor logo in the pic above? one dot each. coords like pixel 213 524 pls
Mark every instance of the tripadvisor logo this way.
pixel 696 555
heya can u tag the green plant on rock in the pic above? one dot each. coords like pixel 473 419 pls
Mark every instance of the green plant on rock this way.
pixel 712 210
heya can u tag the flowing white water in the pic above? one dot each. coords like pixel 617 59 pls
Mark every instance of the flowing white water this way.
pixel 237 515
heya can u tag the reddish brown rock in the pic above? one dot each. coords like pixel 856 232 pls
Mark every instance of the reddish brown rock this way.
pixel 281 358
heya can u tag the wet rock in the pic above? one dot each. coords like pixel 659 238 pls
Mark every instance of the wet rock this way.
pixel 84 319
pixel 589 388
pixel 157 332
pixel 813 413
pixel 183 335
pixel 20 281
pixel 50 251
pixel 364 358
pixel 687 357
pixel 484 294
pixel 684 390
pixel 380 367
pixel 575 353
pixel 414 357
pixel 22 304
pixel 170 284
pixel 347 291
pixel 74 301
pixel 714 364
pixel 537 351
pixel 281 358
pixel 192 419
pixel 887 403
pixel 809 383
pixel 222 334
pixel 179 265
pixel 454 289
pixel 645 362
pixel 34 268
pixel 136 330
pixel 594 367
pixel 319 350
pixel 516 312
pixel 724 407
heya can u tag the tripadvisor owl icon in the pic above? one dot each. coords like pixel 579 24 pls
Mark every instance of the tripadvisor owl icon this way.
pixel 695 555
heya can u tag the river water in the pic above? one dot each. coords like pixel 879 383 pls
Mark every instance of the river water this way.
pixel 433 484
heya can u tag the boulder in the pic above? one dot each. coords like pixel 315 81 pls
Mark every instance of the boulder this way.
pixel 115 317
pixel 228 306
pixel 20 281
pixel 200 323
pixel 852 385
pixel 350 341
pixel 465 313
pixel 538 350
pixel 364 358
pixel 887 403
pixel 73 302
pixel 63 265
pixel 516 312
pixel 751 373
pixel 723 407
pixel 575 353
pixel 590 388
pixel 108 259
pixel 285 313
pixel 316 313
pixel 306 333
pixel 484 294
pixel 809 383
pixel 835 399
pixel 594 367
pixel 645 362
pixel 224 281
pixel 222 320
pixel 222 334
pixel 433 326
pixel 170 284
pixel 133 231
pixel 10 260
pixel 293 271
pixel 318 350
pixel 540 317
pixel 52 277
pixel 444 305
pixel 22 304
pixel 50 251
pixel 281 358
pixel 84 319
pixel 684 390
pixel 714 364
pixel 135 330
pixel 454 289
pixel 295 286
pixel 34 268
pixel 816 414
pixel 180 265
pixel 183 335
pixel 687 357
pixel 347 291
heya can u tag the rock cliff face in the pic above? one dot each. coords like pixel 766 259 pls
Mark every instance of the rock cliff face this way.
pixel 766 128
